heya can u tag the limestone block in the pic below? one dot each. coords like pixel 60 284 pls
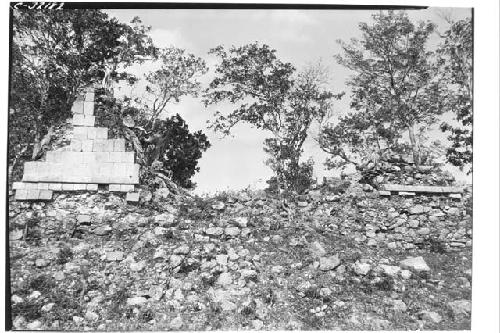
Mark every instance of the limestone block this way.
pixel 89 96
pixel 91 133
pixel 67 187
pixel 83 120
pixel 101 133
pixel 119 173
pixel 77 107
pixel 45 172
pixel 33 194
pixel 104 172
pixel 97 133
pixel 98 146
pixel 101 157
pixel 75 145
pixel 53 156
pixel 92 187
pixel 18 185
pixel 30 171
pixel 128 157
pixel 43 186
pixel 423 188
pixel 109 145
pixel 88 157
pixel 55 186
pixel 81 167
pixel 134 179
pixel 103 145
pixel 127 188
pixel 406 194
pixel 45 195
pixel 132 197
pixel 69 177
pixel 80 187
pixel 81 133
pixel 115 157
pixel 87 145
pixel 119 145
pixel 31 186
pixel 21 194
pixel 88 108
pixel 121 157
pixel 73 157
pixel 114 187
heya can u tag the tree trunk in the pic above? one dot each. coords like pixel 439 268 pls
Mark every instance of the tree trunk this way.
pixel 36 146
pixel 414 146
pixel 131 137
pixel 16 160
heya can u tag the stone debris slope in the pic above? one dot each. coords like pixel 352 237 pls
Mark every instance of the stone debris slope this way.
pixel 332 259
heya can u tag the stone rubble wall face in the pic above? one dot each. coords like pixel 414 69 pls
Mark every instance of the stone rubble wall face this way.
pixel 90 159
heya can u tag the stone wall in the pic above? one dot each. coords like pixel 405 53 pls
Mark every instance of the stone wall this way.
pixel 89 160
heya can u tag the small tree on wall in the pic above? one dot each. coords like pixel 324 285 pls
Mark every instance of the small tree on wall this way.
pixel 393 79
pixel 273 97
pixel 163 144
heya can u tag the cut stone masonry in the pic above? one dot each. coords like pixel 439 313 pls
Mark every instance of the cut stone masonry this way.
pixel 454 192
pixel 90 159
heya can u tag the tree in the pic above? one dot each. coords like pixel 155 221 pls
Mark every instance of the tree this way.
pixel 455 65
pixel 56 52
pixel 271 96
pixel 164 145
pixel 393 82
pixel 357 139
pixel 177 77
pixel 175 151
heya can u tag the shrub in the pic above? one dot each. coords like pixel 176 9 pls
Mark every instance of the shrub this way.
pixel 165 148
pixel 65 255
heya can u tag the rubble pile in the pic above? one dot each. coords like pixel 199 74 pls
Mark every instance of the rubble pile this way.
pixel 400 169
pixel 337 257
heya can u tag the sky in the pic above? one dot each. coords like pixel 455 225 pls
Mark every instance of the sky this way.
pixel 300 37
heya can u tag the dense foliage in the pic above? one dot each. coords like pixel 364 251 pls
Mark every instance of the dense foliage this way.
pixel 55 53
pixel 173 150
pixel 272 96
pixel 165 148
pixel 393 86
pixel 163 144
pixel 455 61
pixel 399 89
pixel 177 77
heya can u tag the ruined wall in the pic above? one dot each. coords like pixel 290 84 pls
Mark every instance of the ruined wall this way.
pixel 90 159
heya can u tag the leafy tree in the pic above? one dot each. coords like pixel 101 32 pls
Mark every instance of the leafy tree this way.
pixel 393 81
pixel 455 64
pixel 177 77
pixel 175 151
pixel 271 96
pixel 358 139
pixel 164 146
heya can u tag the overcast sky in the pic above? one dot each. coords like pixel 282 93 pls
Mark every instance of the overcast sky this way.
pixel 299 36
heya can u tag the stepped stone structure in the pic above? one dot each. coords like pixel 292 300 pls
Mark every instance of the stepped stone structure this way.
pixel 90 160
